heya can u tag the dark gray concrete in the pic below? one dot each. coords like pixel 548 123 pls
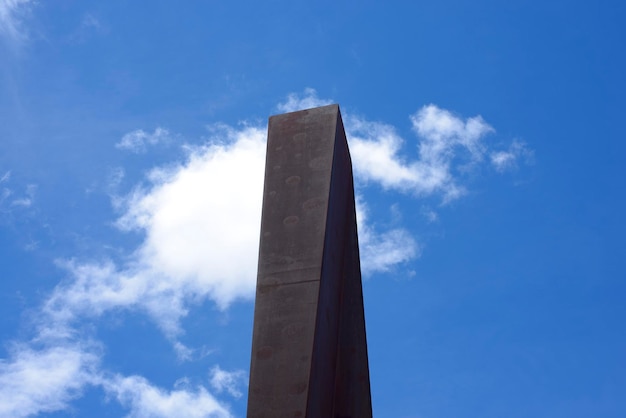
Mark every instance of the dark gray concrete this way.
pixel 309 350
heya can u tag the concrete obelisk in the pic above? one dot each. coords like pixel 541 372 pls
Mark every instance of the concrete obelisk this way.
pixel 309 350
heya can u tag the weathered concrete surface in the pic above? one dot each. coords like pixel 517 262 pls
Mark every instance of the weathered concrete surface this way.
pixel 309 350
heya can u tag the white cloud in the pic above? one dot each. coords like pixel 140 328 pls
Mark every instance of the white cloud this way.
pixel 53 369
pixel 374 148
pixel 507 160
pixel 5 177
pixel 303 101
pixel 93 288
pixel 45 380
pixel 379 252
pixel 183 352
pixel 443 139
pixel 382 251
pixel 200 220
pixel 147 401
pixel 138 140
pixel 222 380
pixel 442 132
pixel 47 373
pixel 11 14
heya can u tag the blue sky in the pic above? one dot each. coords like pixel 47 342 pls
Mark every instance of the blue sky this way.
pixel 488 145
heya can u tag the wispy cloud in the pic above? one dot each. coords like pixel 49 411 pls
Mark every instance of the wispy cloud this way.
pixel 231 382
pixel 11 18
pixel 27 199
pixel 138 141
pixel 429 214
pixel 89 25
pixel 447 144
pixel 145 400
pixel 43 380
pixel 443 138
pixel 379 252
pixel 296 101
pixel 59 363
pixel 441 132
pixel 11 200
pixel 509 159
pixel 90 21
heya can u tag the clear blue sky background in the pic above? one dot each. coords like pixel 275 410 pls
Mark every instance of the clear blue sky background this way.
pixel 488 142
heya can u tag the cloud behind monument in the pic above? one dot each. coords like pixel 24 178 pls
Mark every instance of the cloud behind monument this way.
pixel 198 219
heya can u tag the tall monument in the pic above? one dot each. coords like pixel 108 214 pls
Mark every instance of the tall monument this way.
pixel 309 350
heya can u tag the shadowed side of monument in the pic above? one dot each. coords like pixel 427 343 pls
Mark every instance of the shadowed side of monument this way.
pixel 309 350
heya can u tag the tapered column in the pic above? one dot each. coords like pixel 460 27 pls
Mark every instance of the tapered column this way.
pixel 309 350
